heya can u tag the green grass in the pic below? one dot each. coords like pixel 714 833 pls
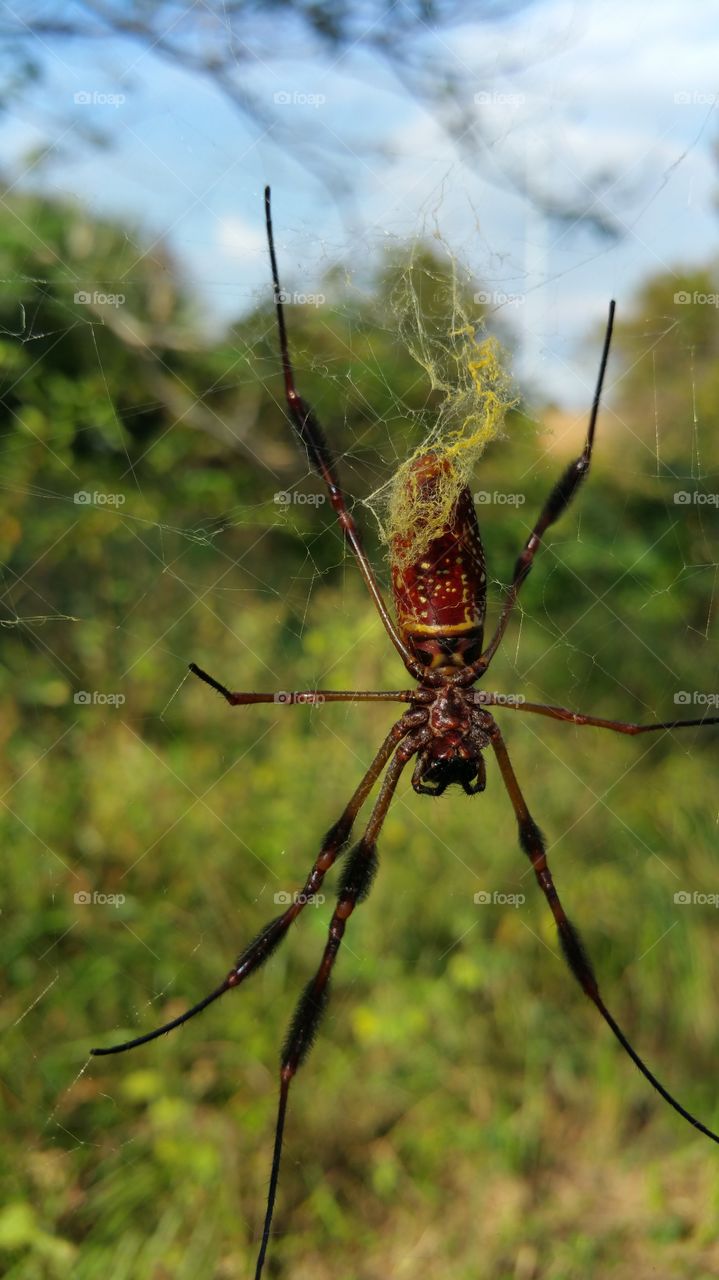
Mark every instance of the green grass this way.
pixel 464 1111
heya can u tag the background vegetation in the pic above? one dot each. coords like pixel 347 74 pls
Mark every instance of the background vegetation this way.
pixel 464 1112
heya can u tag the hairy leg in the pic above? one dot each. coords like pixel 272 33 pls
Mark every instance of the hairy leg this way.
pixel 263 945
pixel 311 697
pixel 557 502
pixel 322 459
pixel 532 842
pixel 357 876
pixel 485 699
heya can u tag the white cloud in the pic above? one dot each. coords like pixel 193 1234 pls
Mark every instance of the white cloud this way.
pixel 239 240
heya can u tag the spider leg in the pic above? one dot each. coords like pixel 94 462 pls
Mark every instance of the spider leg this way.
pixel 309 697
pixel 532 842
pixel 322 459
pixel 557 502
pixel 262 946
pixel 484 698
pixel 357 876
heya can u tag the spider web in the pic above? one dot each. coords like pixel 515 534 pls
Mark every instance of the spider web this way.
pixel 113 794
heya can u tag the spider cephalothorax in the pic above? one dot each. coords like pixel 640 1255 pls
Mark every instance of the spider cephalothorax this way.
pixel 450 743
pixel 440 603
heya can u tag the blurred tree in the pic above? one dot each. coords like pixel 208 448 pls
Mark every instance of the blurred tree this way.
pixel 670 344
pixel 108 387
pixel 226 41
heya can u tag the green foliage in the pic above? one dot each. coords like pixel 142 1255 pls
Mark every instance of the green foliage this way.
pixel 671 348
pixel 464 1111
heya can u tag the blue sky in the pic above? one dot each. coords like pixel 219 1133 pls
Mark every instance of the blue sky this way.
pixel 626 90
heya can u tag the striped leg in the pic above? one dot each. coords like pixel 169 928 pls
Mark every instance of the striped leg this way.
pixel 486 699
pixel 355 884
pixel 262 947
pixel 310 697
pixel 532 842
pixel 557 502
pixel 320 455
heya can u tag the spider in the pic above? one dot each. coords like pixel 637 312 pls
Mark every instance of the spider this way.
pixel 440 604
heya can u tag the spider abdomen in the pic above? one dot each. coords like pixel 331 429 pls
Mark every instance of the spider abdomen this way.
pixel 440 596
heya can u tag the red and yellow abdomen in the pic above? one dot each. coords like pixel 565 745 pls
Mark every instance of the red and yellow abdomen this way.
pixel 440 597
